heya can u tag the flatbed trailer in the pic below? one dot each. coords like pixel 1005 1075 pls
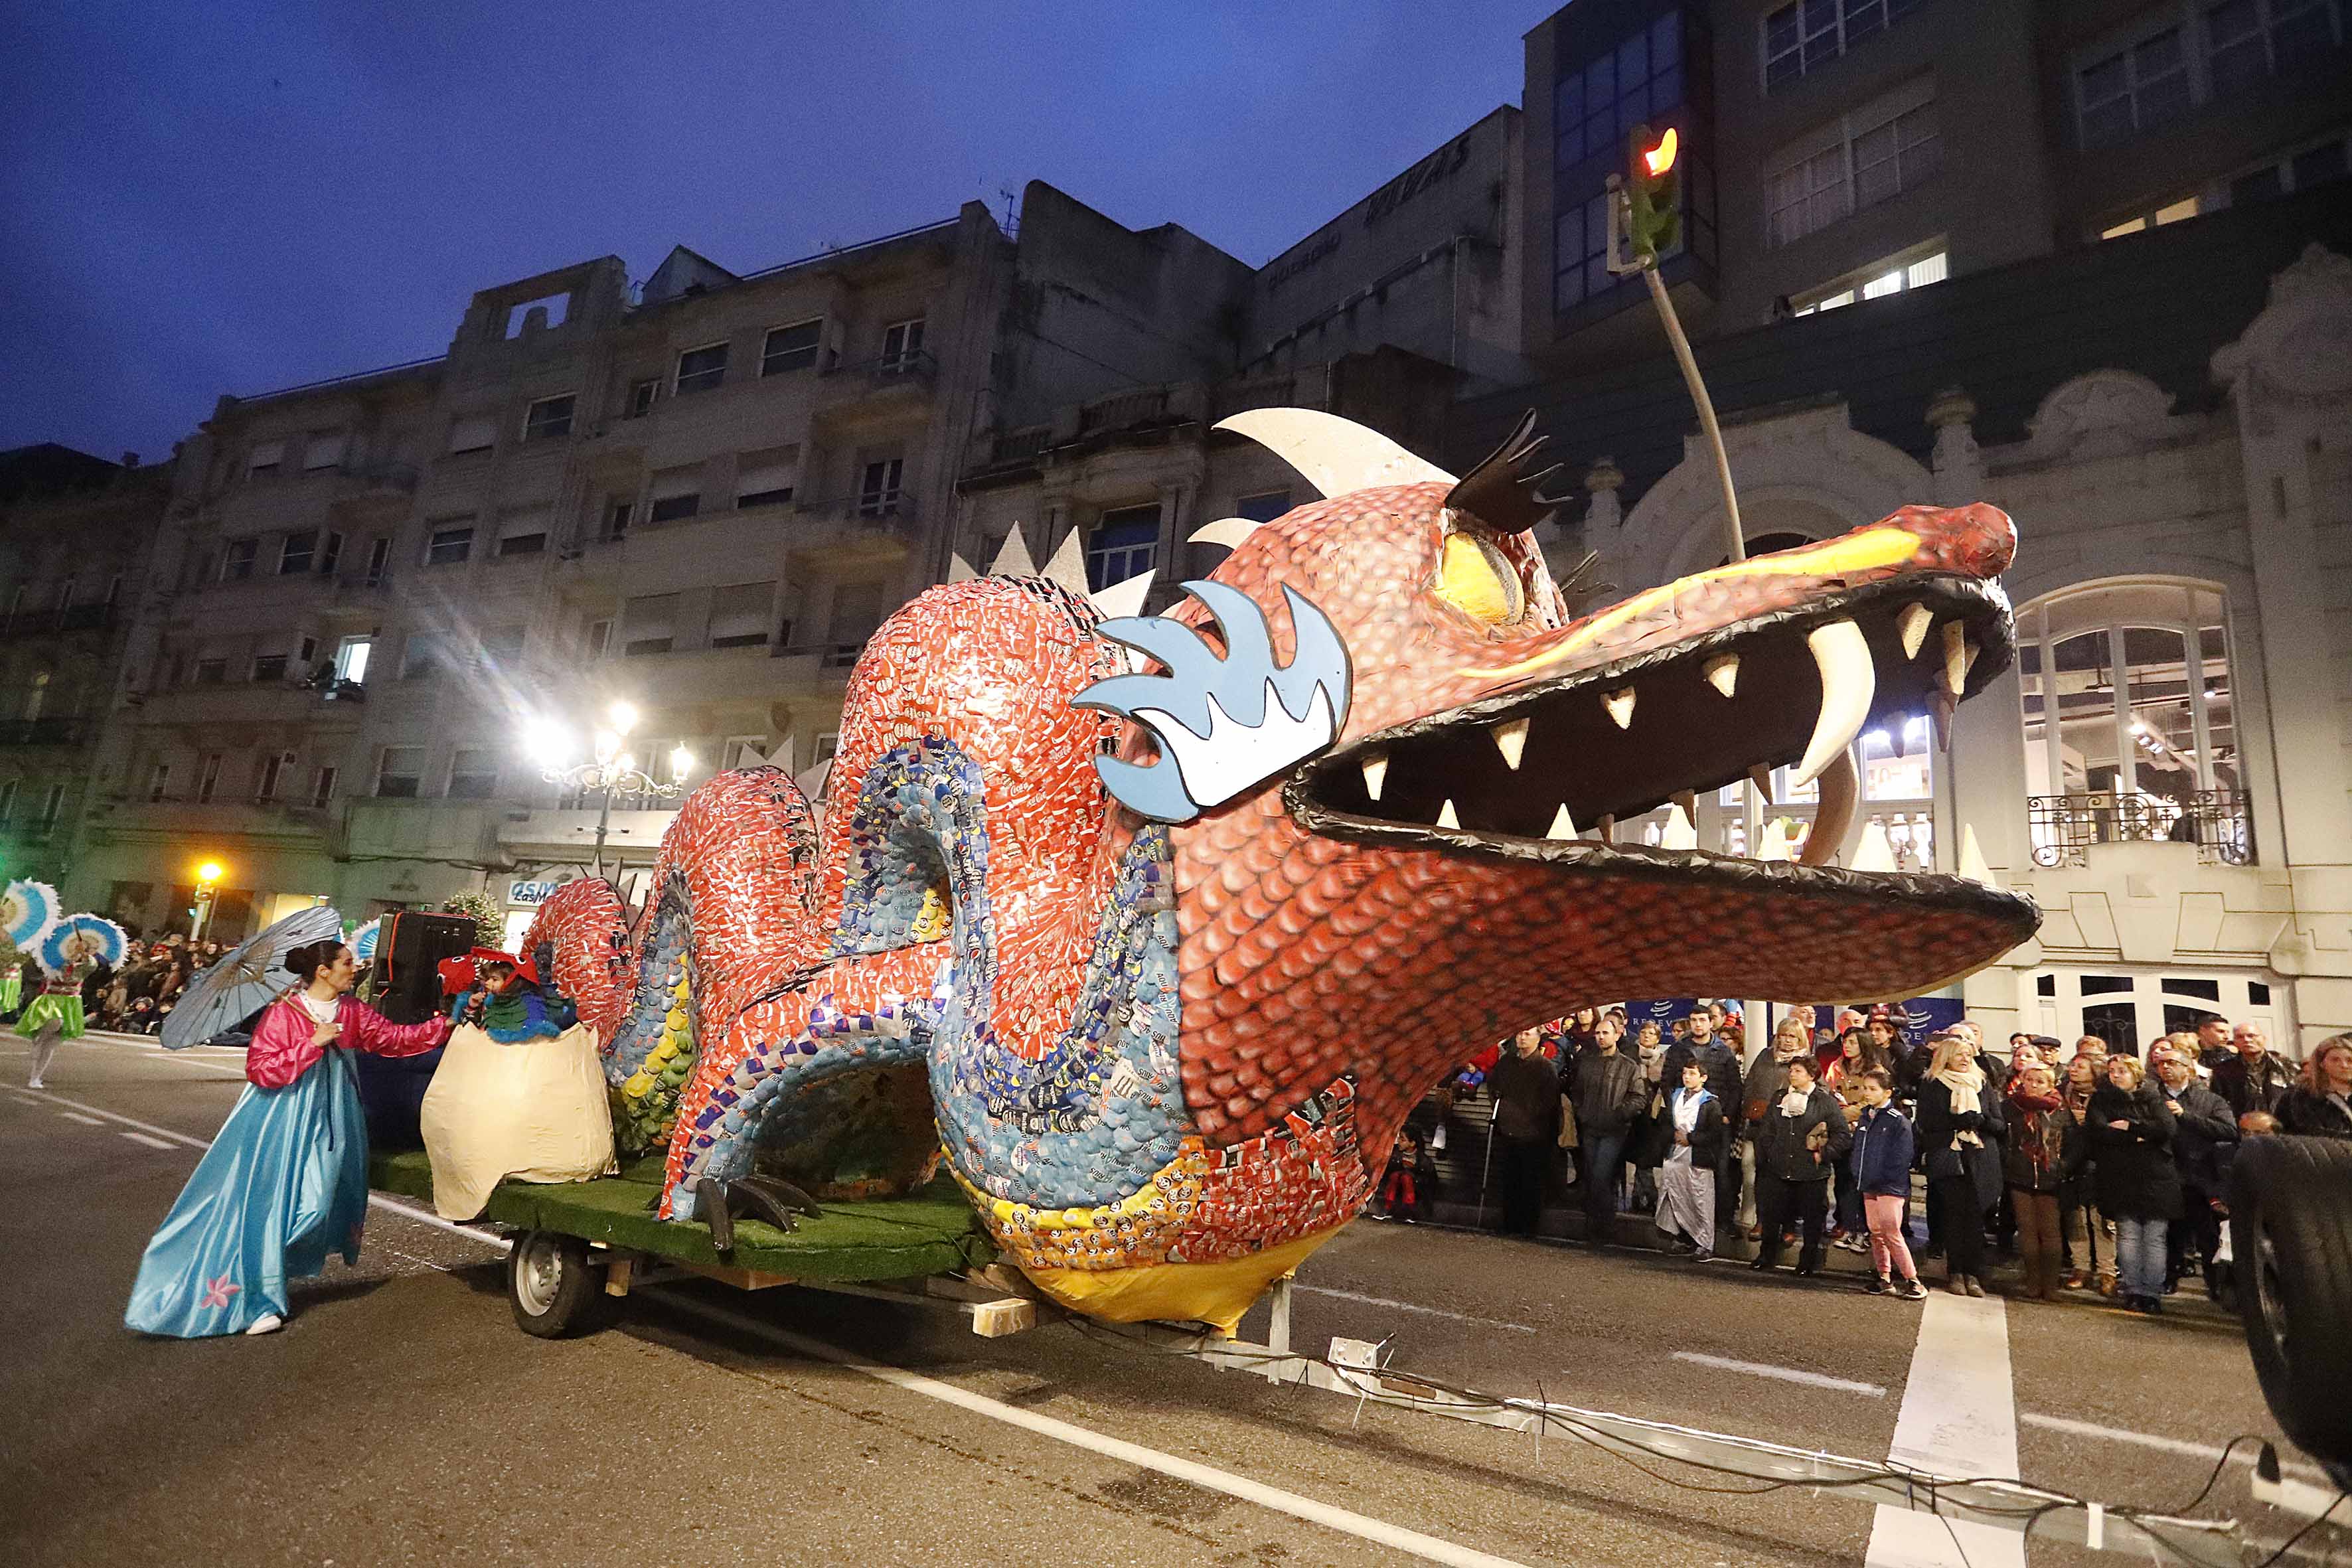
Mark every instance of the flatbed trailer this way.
pixel 580 1248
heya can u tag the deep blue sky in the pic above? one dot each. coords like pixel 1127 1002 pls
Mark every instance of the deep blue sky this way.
pixel 242 195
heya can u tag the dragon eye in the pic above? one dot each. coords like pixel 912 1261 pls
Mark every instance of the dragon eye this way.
pixel 1474 577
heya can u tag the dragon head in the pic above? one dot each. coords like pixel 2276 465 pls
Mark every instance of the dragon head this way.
pixel 1424 884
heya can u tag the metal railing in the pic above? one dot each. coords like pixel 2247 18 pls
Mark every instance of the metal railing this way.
pixel 2064 826
pixel 379 473
pixel 40 732
pixel 890 369
pixel 1124 410
pixel 866 506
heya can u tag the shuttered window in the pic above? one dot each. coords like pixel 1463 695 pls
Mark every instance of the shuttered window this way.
pixel 677 494
pixel 475 435
pixel 649 625
pixel 739 615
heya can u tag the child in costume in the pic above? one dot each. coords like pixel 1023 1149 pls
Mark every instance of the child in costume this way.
pixel 285 1182
pixel 507 1007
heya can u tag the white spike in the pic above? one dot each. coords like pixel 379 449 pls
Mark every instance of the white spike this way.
pixel 1959 654
pixel 1621 707
pixel 1013 561
pixel 1849 680
pixel 1562 825
pixel 1688 800
pixel 1229 532
pixel 1876 852
pixel 1681 832
pixel 1069 566
pixel 960 570
pixel 1972 861
pixel 1912 624
pixel 1722 672
pixel 1446 817
pixel 1511 740
pixel 1376 773
pixel 1775 841
pixel 1122 599
pixel 1335 455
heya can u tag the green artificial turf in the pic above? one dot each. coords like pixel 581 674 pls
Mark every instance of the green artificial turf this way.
pixel 933 1232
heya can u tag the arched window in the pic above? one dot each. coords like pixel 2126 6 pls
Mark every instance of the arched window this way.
pixel 2130 730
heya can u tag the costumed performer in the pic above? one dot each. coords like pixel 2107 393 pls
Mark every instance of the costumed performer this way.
pixel 507 1008
pixel 285 1182
pixel 55 1015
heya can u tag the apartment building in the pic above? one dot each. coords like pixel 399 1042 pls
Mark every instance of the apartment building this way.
pixel 75 532
pixel 1841 150
pixel 383 593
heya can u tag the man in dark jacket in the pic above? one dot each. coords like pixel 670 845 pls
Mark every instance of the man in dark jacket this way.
pixel 2214 1045
pixel 1527 1129
pixel 1608 1092
pixel 2201 1125
pixel 2255 1077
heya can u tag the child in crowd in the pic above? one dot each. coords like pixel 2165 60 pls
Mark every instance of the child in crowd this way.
pixel 1410 1177
pixel 1883 1148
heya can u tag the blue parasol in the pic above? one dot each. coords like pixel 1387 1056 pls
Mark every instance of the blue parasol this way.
pixel 77 939
pixel 362 941
pixel 246 980
pixel 26 909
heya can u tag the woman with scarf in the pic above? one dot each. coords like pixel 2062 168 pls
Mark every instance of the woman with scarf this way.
pixel 1851 1056
pixel 2043 1149
pixel 285 1182
pixel 2131 1131
pixel 1959 1128
pixel 2080 1224
pixel 1694 1127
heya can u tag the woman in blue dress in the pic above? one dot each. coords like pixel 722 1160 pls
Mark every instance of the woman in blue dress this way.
pixel 285 1182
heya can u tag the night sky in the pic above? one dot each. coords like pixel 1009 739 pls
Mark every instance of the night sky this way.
pixel 238 196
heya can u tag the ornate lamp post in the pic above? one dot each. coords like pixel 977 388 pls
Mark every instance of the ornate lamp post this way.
pixel 610 769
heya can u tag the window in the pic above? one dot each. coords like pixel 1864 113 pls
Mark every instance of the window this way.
pixel 237 559
pixel 399 772
pixel 702 370
pixel 449 543
pixel 1805 37
pixel 743 752
pixel 1263 507
pixel 1122 544
pixel 902 343
pixel 265 458
pixel 325 450
pixel 547 418
pixel 479 434
pixel 2247 41
pixel 596 639
pixel 473 773
pixel 790 348
pixel 379 566
pixel 648 625
pixel 2172 212
pixel 331 553
pixel 54 805
pixel 212 671
pixel 276 769
pixel 1596 106
pixel 1865 158
pixel 642 396
pixel 159 780
pixel 675 495
pixel 857 609
pixel 766 478
pixel 878 494
pixel 2195 51
pixel 1896 275
pixel 420 657
pixel 208 776
pixel 523 531
pixel 740 614
pixel 1653 76
pixel 297 553
pixel 322 785
pixel 352 659
pixel 502 646
pixel 269 666
pixel 7 801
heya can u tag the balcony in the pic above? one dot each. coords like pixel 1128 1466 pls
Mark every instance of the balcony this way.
pixel 2065 826
pixel 360 587
pixel 288 824
pixel 249 702
pixel 571 835
pixel 1125 411
pixel 893 378
pixel 378 477
pixel 874 525
pixel 30 624
pixel 41 732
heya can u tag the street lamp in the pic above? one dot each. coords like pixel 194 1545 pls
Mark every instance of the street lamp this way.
pixel 609 768
pixel 208 876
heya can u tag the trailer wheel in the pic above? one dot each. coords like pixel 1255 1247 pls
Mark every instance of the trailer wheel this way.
pixel 2291 1242
pixel 554 1287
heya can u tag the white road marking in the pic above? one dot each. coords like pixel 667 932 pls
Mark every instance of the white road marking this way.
pixel 151 1142
pixel 1428 1548
pixel 1410 1306
pixel 2244 1454
pixel 1958 1419
pixel 86 1120
pixel 1785 1373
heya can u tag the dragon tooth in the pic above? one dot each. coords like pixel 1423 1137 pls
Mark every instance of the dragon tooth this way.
pixel 1688 800
pixel 1972 861
pixel 1608 826
pixel 1959 654
pixel 1940 707
pixel 1877 851
pixel 1511 740
pixel 1722 672
pixel 1446 817
pixel 1776 840
pixel 1621 707
pixel 1562 825
pixel 1760 775
pixel 1849 680
pixel 1840 793
pixel 1912 625
pixel 1680 832
pixel 1376 773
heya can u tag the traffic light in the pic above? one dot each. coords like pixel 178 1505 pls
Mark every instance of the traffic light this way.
pixel 1654 195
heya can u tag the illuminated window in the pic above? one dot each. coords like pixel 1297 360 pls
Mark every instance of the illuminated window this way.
pixel 1896 275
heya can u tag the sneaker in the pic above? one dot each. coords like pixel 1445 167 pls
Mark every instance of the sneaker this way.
pixel 1853 1243
pixel 33 1083
pixel 1911 1290
pixel 1976 1286
pixel 1878 1284
pixel 1703 1255
pixel 268 1323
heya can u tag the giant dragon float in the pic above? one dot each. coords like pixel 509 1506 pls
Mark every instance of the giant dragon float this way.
pixel 1152 928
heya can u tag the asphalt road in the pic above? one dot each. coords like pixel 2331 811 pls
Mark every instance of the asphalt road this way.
pixel 403 1418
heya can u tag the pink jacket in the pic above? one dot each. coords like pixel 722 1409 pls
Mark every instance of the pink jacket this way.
pixel 282 1049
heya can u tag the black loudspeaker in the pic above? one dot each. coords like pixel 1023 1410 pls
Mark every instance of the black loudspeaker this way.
pixel 408 954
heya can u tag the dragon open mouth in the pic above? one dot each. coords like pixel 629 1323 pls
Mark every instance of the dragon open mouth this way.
pixel 1524 773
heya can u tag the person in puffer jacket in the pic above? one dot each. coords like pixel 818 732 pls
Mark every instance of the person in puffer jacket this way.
pixel 1881 1162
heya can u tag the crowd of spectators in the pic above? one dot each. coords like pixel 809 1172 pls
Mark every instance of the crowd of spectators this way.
pixel 138 994
pixel 2094 1168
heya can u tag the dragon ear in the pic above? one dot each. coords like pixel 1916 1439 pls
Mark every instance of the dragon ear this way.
pixel 1500 492
pixel 1335 455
